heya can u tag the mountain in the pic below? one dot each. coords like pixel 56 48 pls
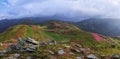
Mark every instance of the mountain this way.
pixel 6 23
pixel 104 26
pixel 60 31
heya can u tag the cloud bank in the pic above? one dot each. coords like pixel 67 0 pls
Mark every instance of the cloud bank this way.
pixel 72 9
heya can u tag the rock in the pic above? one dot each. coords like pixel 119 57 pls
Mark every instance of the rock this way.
pixel 32 41
pixel 30 50
pixel 115 56
pixel 28 57
pixel 91 56
pixel 78 45
pixel 67 46
pixel 11 48
pixel 75 50
pixel 16 55
pixel 53 42
pixel 51 52
pixel 61 51
pixel 20 44
pixel 79 57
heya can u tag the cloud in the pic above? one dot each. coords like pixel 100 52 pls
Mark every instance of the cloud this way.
pixel 74 9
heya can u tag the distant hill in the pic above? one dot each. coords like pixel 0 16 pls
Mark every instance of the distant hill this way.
pixel 6 23
pixel 106 26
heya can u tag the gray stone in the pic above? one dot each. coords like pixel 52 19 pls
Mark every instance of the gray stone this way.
pixel 28 57
pixel 61 51
pixel 91 56
pixel 16 55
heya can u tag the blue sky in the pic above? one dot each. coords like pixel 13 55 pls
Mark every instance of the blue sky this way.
pixel 75 9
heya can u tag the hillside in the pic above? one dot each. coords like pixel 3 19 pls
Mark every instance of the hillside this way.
pixel 6 23
pixel 104 26
pixel 60 31
pixel 52 29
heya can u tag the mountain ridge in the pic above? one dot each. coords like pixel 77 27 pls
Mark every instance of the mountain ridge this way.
pixel 104 26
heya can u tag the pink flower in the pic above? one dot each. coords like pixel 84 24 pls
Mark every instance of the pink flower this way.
pixel 97 37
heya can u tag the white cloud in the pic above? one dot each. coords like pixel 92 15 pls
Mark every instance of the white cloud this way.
pixel 67 8
pixel 115 2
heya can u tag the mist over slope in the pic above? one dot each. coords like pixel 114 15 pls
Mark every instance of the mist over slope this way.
pixel 105 26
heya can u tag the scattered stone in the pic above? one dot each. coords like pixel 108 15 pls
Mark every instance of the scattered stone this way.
pixel 115 56
pixel 75 50
pixel 32 41
pixel 91 56
pixel 53 42
pixel 28 57
pixel 78 45
pixel 67 46
pixel 30 50
pixel 61 51
pixel 16 55
pixel 11 48
pixel 79 57
pixel 20 44
pixel 51 52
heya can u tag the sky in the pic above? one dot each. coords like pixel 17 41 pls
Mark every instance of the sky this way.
pixel 73 9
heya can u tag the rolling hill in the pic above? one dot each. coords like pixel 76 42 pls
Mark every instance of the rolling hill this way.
pixel 6 23
pixel 60 31
pixel 104 26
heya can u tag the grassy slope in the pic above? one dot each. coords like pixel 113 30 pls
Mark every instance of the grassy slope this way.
pixel 39 33
pixel 8 34
pixel 81 36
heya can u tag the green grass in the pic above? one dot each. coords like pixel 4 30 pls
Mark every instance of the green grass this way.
pixel 28 31
pixel 9 33
pixel 81 36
